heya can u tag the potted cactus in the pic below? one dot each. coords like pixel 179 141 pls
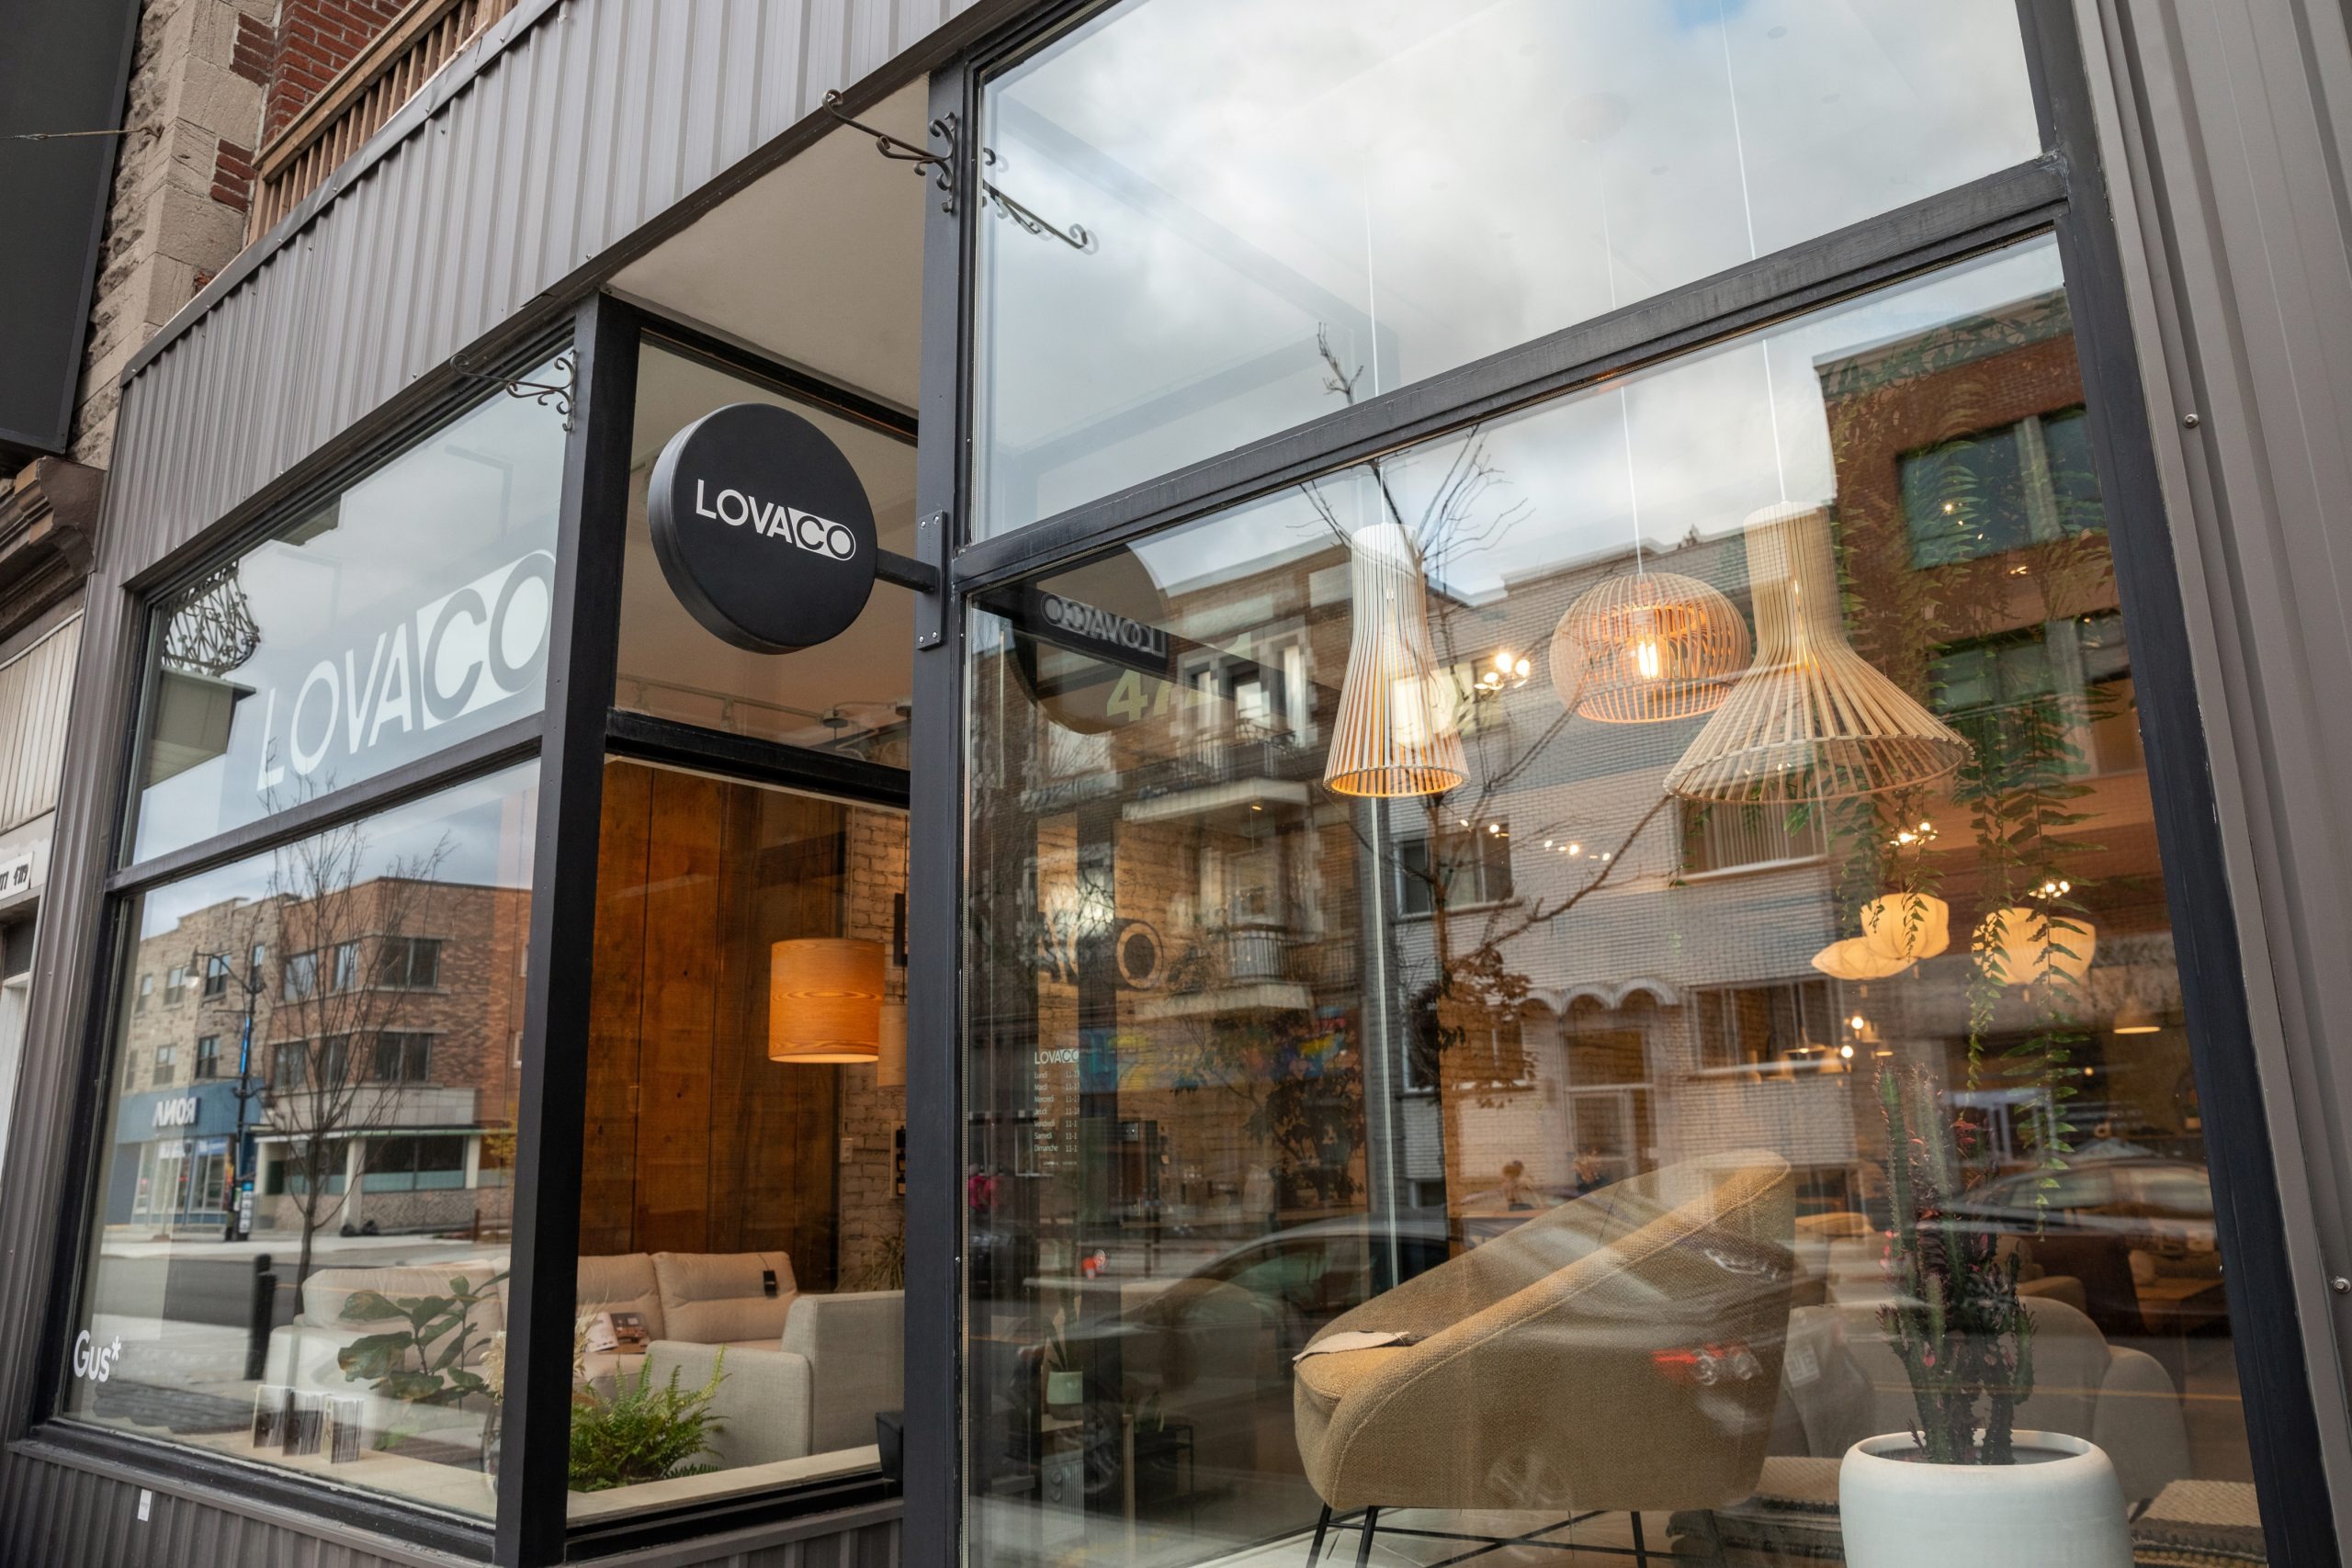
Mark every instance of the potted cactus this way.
pixel 1963 1484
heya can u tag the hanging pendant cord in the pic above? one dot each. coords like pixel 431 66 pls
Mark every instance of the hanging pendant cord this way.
pixel 1624 403
pixel 1748 211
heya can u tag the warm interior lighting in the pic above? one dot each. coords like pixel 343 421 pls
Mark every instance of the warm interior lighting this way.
pixel 2018 946
pixel 1812 719
pixel 1396 732
pixel 1647 648
pixel 825 1000
pixel 1907 926
pixel 890 1064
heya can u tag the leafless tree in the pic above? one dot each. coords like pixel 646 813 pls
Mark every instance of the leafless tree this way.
pixel 344 980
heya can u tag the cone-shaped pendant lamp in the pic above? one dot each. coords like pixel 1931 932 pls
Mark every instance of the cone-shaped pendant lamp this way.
pixel 1398 732
pixel 1811 720
pixel 1650 646
pixel 825 1000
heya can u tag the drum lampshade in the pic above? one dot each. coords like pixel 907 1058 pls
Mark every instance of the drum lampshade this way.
pixel 824 1000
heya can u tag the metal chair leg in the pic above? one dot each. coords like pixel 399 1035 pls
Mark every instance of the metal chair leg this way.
pixel 1363 1542
pixel 1315 1552
pixel 1641 1548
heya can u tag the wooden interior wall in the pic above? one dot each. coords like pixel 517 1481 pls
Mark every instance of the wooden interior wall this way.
pixel 694 1141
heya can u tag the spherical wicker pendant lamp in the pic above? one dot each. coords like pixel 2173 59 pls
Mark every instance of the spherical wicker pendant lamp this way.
pixel 1648 648
pixel 1810 720
pixel 825 1000
pixel 1398 732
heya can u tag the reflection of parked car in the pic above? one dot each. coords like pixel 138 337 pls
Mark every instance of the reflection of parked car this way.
pixel 2137 1231
pixel 1210 1350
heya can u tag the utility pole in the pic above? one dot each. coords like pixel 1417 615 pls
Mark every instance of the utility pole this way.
pixel 238 1224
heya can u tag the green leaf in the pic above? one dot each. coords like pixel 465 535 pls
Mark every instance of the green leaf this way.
pixel 368 1306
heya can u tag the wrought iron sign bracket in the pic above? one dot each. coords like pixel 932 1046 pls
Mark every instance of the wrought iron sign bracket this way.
pixel 545 393
pixel 941 167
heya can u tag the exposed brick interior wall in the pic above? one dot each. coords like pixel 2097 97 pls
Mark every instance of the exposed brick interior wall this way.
pixel 314 40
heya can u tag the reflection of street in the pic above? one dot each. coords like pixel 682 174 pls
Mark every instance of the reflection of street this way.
pixel 186 1316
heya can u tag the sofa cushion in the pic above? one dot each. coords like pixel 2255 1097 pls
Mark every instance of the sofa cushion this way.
pixel 720 1298
pixel 624 1283
pixel 855 1346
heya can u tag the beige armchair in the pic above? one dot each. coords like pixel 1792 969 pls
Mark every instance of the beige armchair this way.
pixel 1622 1352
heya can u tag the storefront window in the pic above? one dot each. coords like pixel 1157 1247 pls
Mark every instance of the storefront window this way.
pixel 1253 215
pixel 354 1330
pixel 741 1226
pixel 1679 909
pixel 850 694
pixel 405 614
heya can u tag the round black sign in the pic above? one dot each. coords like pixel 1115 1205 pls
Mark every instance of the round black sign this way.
pixel 763 528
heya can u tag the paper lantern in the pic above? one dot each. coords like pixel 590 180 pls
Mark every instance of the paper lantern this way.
pixel 1397 732
pixel 824 1000
pixel 1854 959
pixel 1647 648
pixel 1907 926
pixel 1810 720
pixel 890 1064
pixel 2018 946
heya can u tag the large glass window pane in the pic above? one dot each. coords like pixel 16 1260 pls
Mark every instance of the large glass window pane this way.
pixel 1504 977
pixel 407 614
pixel 348 1319
pixel 1287 209
pixel 741 1223
pixel 851 694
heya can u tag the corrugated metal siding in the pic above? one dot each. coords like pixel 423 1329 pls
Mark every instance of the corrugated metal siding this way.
pixel 585 126
pixel 61 1516
pixel 36 693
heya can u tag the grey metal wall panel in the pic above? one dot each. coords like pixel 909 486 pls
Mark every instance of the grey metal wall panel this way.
pixel 585 126
pixel 2230 132
pixel 36 694
pixel 69 1515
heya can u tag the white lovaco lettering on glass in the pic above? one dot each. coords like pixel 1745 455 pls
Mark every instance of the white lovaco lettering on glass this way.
pixel 453 656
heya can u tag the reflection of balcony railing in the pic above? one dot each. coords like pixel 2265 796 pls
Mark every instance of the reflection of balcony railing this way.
pixel 355 105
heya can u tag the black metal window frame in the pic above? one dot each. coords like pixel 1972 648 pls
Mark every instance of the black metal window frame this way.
pixel 2063 192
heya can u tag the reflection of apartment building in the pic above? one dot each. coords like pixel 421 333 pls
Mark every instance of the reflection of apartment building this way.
pixel 382 1024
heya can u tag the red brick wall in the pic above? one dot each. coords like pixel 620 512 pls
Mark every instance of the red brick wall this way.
pixel 314 40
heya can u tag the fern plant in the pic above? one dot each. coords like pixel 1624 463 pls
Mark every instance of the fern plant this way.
pixel 642 1432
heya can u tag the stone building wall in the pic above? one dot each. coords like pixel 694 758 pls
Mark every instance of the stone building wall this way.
pixel 873 1214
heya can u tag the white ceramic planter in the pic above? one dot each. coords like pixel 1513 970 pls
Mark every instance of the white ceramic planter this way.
pixel 2060 1511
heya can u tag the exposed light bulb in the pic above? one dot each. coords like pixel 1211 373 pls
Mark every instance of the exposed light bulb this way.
pixel 1857 1023
pixel 1846 1052
pixel 1645 658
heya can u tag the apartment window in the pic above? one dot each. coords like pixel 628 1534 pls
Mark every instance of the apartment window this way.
pixel 1470 866
pixel 1726 837
pixel 413 963
pixel 2045 701
pixel 146 993
pixel 1786 1021
pixel 302 972
pixel 1996 491
pixel 166 1069
pixel 175 984
pixel 215 977
pixel 403 1057
pixel 208 1056
pixel 346 966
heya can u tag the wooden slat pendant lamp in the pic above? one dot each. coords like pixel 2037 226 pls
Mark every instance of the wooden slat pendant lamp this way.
pixel 1810 720
pixel 824 1000
pixel 1398 732
pixel 1648 648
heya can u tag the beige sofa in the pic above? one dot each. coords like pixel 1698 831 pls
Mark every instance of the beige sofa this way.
pixel 702 1298
pixel 302 1354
